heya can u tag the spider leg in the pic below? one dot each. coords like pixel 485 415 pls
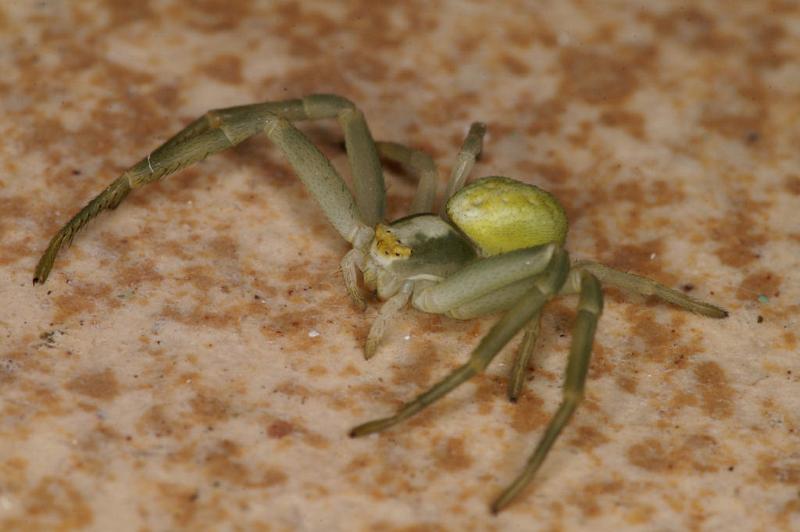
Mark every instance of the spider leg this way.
pixel 417 163
pixel 500 300
pixel 465 161
pixel 158 164
pixel 590 305
pixel 224 128
pixel 516 378
pixel 362 155
pixel 483 286
pixel 497 301
pixel 547 284
pixel 637 284
pixel 470 285
pixel 388 311
pixel 351 264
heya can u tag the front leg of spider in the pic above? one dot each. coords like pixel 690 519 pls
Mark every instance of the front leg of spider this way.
pixel 352 215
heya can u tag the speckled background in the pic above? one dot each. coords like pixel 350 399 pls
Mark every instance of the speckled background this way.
pixel 194 361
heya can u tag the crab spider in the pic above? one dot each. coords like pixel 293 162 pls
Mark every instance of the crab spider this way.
pixel 496 245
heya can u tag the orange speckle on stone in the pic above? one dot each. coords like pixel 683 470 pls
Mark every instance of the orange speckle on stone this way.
pixel 417 366
pixel 155 421
pixel 98 385
pixel 790 340
pixel 780 469
pixel 599 78
pixel 630 122
pixel 13 471
pixel 226 68
pixel 208 408
pixel 528 413
pixel 272 477
pixel 762 282
pixel 650 455
pixel 279 428
pixel 588 437
pixel 700 453
pixel 55 503
pixel 601 363
pixel 83 298
pixel 716 393
pixel 123 13
pixel 452 456
pixel 792 184
pixel 741 233
pixel 588 500
pixel 640 514
pixel 693 27
pixel 385 526
pixel 220 463
pixel 514 65
pixel 179 501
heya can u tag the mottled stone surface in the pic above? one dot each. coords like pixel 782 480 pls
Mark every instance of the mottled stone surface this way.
pixel 194 361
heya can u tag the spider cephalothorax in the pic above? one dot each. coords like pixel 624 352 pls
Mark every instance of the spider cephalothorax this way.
pixel 495 246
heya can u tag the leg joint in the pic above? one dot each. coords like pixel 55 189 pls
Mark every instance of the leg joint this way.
pixel 274 122
pixel 326 105
pixel 213 119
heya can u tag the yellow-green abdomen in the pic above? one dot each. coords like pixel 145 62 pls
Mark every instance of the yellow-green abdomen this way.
pixel 500 214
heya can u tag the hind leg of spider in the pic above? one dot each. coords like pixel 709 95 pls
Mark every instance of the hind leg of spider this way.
pixel 516 379
pixel 590 306
pixel 636 284
pixel 547 284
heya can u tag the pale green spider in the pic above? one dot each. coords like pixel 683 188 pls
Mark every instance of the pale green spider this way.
pixel 497 244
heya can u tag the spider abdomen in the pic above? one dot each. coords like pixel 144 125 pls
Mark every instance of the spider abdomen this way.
pixel 500 214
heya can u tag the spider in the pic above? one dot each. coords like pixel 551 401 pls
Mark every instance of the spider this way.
pixel 495 245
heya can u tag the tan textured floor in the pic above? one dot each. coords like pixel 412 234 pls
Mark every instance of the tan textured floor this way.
pixel 194 361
